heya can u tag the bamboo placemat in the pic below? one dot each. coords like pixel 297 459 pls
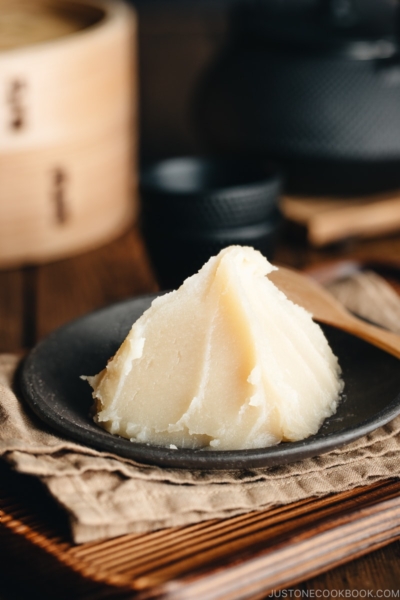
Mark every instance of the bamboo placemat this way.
pixel 239 557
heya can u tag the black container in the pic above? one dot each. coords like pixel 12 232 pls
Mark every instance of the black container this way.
pixel 312 88
pixel 194 207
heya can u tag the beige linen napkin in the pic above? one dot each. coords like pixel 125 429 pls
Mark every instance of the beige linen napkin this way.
pixel 106 496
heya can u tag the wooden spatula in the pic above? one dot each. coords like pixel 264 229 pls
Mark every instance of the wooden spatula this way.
pixel 325 308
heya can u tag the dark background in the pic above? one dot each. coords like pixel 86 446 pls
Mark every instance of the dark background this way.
pixel 177 40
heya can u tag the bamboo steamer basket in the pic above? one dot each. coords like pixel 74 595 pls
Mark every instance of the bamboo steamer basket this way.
pixel 68 104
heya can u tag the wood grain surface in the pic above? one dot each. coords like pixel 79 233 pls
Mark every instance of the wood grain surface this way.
pixel 243 557
pixel 330 220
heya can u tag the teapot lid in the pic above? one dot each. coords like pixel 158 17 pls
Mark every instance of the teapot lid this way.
pixel 360 29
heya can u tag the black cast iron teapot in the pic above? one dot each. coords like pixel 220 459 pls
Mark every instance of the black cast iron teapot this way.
pixel 313 84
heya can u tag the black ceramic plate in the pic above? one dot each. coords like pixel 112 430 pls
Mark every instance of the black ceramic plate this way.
pixel 51 385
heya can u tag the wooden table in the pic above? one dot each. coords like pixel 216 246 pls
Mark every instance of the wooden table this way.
pixel 37 556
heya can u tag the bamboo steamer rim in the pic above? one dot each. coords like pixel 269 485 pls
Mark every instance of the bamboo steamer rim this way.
pixel 46 83
pixel 108 10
